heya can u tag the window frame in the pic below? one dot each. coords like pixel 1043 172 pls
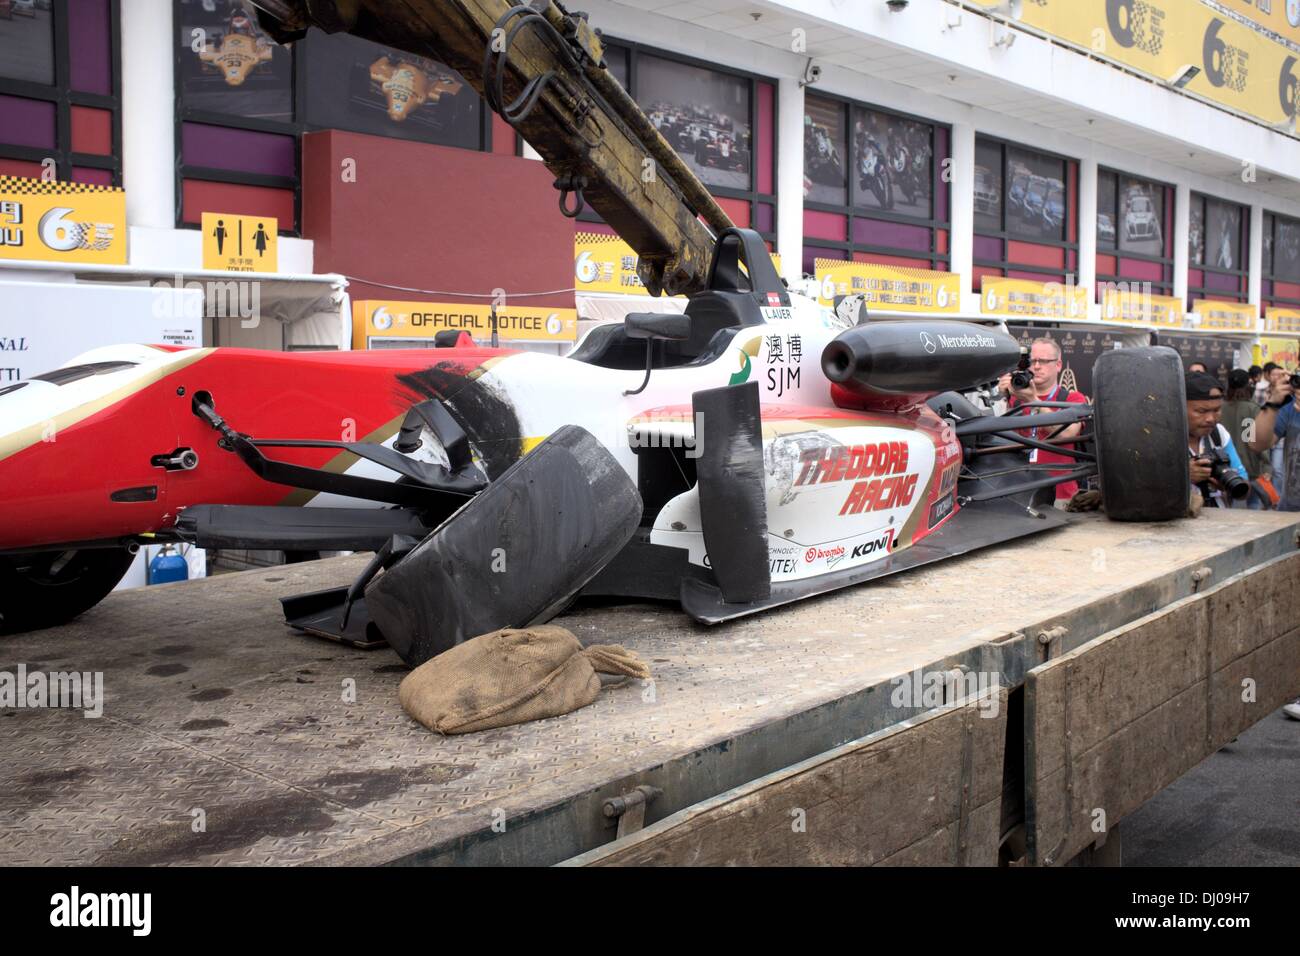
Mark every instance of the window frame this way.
pixel 1165 287
pixel 297 128
pixel 636 49
pixel 1005 237
pixel 65 98
pixel 939 261
pixel 1243 275
pixel 1269 277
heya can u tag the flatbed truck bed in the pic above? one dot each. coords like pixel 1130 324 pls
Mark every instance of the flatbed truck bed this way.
pixel 1086 669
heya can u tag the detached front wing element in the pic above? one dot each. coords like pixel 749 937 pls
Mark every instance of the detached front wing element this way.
pixel 733 502
pixel 513 556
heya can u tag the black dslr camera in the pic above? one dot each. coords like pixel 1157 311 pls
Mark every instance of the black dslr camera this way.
pixel 1022 377
pixel 1221 470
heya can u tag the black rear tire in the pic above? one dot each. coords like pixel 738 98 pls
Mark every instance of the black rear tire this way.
pixel 1140 421
pixel 44 590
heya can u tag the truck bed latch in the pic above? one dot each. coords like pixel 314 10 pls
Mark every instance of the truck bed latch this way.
pixel 629 809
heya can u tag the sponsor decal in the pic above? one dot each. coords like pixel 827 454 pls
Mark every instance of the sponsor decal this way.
pixel 941 509
pixel 832 556
pixel 783 558
pixel 948 482
pixel 884 543
pixel 748 352
pixel 841 463
pixel 782 566
pixel 879 470
pixel 882 494
pixel 784 353
pixel 774 299
pixel 971 340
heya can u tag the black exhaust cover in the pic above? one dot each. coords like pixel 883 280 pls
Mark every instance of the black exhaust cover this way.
pixel 908 357
pixel 515 554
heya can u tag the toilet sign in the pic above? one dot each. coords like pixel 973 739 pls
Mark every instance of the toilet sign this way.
pixel 240 243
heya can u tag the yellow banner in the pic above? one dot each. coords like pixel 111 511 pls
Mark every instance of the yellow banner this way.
pixel 1284 352
pixel 62 222
pixel 1129 305
pixel 241 243
pixel 889 288
pixel 1280 16
pixel 604 263
pixel 1234 316
pixel 423 320
pixel 1236 66
pixel 1041 300
pixel 1283 320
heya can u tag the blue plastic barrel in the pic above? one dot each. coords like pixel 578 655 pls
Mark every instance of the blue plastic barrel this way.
pixel 168 567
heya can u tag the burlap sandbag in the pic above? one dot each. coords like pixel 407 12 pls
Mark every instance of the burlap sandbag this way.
pixel 510 677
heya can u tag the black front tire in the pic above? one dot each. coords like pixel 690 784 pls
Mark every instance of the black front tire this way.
pixel 44 590
pixel 1140 421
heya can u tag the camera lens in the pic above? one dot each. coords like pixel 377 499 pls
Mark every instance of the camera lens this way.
pixel 1230 480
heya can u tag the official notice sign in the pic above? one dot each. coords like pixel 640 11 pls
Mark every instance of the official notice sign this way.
pixel 416 323
pixel 62 222
pixel 240 243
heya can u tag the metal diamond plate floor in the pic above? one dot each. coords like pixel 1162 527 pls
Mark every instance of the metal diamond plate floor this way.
pixel 228 739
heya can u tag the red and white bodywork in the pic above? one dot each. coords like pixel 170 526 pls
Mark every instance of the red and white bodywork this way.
pixel 844 486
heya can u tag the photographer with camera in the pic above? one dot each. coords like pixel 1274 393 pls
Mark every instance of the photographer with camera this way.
pixel 1039 381
pixel 1215 467
pixel 1279 421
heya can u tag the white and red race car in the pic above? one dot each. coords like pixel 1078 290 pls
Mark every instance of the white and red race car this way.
pixel 756 450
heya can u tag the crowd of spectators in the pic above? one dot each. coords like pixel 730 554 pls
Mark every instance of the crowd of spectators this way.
pixel 1252 416
pixel 1245 423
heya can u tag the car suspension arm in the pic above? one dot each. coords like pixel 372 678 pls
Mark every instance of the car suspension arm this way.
pixel 1020 441
pixel 1012 490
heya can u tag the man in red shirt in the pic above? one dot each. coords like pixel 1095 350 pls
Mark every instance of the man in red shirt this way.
pixel 1045 365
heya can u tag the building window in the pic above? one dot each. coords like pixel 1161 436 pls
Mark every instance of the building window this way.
pixel 1026 214
pixel 237 116
pixel 1135 232
pixel 243 103
pixel 1218 238
pixel 721 122
pixel 360 86
pixel 1281 278
pixel 60 100
pixel 873 186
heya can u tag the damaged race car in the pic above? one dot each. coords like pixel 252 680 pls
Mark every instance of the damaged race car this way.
pixel 756 450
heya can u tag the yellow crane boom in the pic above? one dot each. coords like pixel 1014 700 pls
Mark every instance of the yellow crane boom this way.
pixel 543 69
